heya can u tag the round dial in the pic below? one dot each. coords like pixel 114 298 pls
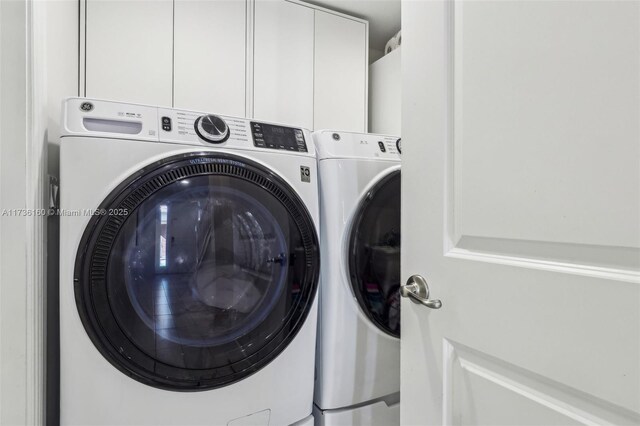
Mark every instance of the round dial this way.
pixel 399 145
pixel 212 128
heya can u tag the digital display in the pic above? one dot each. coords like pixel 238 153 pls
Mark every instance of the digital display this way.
pixel 278 137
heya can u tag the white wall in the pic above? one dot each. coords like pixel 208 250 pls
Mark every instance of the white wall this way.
pixel 62 82
pixel 62 67
pixel 375 54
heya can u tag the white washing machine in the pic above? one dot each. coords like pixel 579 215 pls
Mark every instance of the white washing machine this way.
pixel 189 268
pixel 358 353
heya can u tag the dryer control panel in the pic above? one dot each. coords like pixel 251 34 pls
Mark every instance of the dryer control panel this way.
pixel 338 144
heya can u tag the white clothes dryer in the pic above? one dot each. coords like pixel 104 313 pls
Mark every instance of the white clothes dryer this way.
pixel 358 352
pixel 189 265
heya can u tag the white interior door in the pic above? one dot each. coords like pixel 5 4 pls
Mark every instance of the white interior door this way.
pixel 521 208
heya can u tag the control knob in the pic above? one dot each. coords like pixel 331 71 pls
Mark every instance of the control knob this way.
pixel 212 128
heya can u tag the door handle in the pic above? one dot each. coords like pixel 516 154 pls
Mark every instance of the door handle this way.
pixel 417 290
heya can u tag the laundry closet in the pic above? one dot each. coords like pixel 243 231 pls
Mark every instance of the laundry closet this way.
pixel 227 133
pixel 278 213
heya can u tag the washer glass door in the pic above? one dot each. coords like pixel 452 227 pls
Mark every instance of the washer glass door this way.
pixel 374 254
pixel 201 272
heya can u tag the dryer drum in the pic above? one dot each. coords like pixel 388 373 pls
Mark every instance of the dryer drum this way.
pixel 201 271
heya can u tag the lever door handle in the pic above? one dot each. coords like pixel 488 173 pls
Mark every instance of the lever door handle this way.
pixel 417 290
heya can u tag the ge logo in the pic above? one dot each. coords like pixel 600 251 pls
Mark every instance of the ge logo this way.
pixel 86 106
pixel 305 174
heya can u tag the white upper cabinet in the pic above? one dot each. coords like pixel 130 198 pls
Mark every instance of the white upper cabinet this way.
pixel 283 63
pixel 340 82
pixel 273 60
pixel 210 56
pixel 385 94
pixel 128 50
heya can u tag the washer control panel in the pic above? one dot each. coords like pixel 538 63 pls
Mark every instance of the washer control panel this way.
pixel 100 118
pixel 278 137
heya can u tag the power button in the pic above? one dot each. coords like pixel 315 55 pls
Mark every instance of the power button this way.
pixel 166 124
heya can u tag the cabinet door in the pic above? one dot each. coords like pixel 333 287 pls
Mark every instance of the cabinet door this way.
pixel 129 50
pixel 210 56
pixel 283 63
pixel 340 88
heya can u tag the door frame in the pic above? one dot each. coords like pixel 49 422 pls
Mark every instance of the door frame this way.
pixel 23 167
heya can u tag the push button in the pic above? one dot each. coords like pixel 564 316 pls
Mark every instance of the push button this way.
pixel 166 124
pixel 382 148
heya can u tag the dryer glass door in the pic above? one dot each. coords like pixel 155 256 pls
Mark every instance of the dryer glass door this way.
pixel 374 254
pixel 201 271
